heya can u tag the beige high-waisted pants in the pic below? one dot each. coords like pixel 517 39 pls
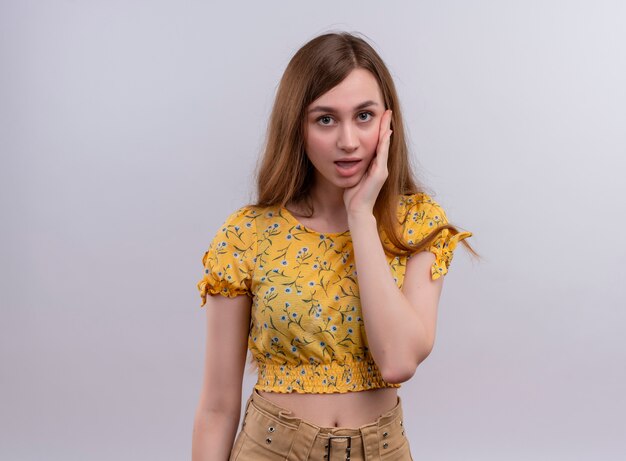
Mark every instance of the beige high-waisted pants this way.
pixel 268 433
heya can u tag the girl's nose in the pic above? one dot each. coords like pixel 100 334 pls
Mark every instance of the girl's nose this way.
pixel 348 139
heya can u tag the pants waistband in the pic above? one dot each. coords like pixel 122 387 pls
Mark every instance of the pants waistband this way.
pixel 292 438
pixel 285 415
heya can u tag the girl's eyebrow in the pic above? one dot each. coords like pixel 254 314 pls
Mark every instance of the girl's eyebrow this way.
pixel 363 105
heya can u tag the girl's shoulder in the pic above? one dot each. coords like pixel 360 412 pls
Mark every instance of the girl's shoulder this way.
pixel 416 202
pixel 415 197
pixel 418 215
pixel 247 214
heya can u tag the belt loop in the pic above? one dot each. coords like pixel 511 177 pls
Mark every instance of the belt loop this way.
pixel 303 443
pixel 245 414
pixel 371 449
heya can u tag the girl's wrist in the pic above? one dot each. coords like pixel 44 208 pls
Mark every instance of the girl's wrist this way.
pixel 360 218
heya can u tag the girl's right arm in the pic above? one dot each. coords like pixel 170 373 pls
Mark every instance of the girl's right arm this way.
pixel 217 415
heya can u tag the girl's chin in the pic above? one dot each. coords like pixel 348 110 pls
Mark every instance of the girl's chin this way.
pixel 346 183
pixel 342 182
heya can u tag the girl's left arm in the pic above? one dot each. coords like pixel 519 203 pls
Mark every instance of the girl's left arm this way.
pixel 399 324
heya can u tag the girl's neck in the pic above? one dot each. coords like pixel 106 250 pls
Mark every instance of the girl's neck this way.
pixel 328 205
pixel 327 202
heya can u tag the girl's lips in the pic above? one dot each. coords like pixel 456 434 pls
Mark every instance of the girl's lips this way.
pixel 348 167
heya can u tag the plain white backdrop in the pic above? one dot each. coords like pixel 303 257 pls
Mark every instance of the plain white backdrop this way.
pixel 129 130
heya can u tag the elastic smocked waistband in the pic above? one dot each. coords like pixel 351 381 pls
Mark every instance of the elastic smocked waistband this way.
pixel 285 416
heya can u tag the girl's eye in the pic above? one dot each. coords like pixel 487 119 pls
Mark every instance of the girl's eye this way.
pixel 365 116
pixel 325 120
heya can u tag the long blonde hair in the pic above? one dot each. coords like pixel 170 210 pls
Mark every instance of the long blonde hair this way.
pixel 286 174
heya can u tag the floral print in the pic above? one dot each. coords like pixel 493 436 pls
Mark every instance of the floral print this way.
pixel 307 332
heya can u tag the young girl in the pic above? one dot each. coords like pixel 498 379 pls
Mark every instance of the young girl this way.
pixel 331 279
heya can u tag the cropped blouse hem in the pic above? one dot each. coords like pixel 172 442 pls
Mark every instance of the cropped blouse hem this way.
pixel 320 378
pixel 321 389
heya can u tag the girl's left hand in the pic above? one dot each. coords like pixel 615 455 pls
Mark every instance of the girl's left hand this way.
pixel 361 197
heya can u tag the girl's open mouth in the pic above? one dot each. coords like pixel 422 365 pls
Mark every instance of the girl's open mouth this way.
pixel 348 167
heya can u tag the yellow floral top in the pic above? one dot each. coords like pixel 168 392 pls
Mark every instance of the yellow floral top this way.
pixel 306 331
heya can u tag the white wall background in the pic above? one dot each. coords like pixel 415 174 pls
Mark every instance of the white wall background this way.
pixel 129 130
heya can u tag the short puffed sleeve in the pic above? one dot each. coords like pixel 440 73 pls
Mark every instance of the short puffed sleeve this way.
pixel 229 261
pixel 423 215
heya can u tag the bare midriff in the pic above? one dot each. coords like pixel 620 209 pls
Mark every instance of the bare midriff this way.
pixel 351 409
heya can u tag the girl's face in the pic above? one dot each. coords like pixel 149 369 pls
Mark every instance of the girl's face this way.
pixel 342 129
